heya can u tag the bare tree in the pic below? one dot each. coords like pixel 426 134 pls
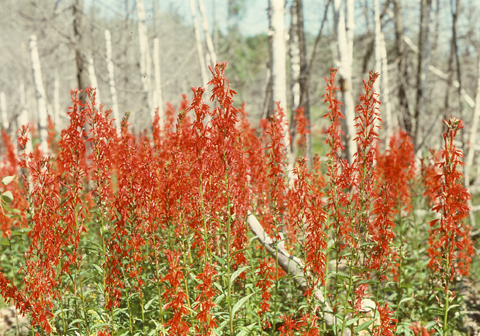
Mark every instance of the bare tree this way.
pixel 198 39
pixel 422 69
pixel 278 66
pixel 111 78
pixel 158 80
pixel 41 97
pixel 3 109
pixel 402 68
pixel 93 79
pixel 78 31
pixel 300 69
pixel 345 52
pixel 144 55
pixel 208 36
pixel 381 66
pixel 473 130
pixel 56 101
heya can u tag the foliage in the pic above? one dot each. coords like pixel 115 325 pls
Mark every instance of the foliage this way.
pixel 120 234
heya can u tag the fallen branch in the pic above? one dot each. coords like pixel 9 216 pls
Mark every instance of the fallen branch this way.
pixel 292 266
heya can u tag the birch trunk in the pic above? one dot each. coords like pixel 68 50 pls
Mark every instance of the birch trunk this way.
pixel 111 79
pixel 79 30
pixel 279 72
pixel 40 93
pixel 3 108
pixel 56 102
pixel 294 62
pixel 158 82
pixel 144 55
pixel 93 79
pixel 422 70
pixel 208 36
pixel 345 72
pixel 198 39
pixel 381 66
pixel 402 68
pixel 473 130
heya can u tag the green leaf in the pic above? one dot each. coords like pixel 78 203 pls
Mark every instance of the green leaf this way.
pixel 7 197
pixel 364 326
pixel 453 306
pixel 99 325
pixel 349 322
pixel 98 268
pixel 21 232
pixel 405 300
pixel 219 299
pixel 240 303
pixel 237 273
pixel 76 321
pixel 149 303
pixel 220 260
pixel 246 330
pixel 222 325
pixel 7 179
pixel 5 242
pixel 6 207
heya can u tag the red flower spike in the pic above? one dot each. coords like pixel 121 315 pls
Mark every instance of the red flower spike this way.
pixel 450 247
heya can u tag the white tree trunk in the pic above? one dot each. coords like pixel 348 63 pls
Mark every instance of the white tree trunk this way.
pixel 158 81
pixel 144 55
pixel 345 50
pixel 40 93
pixel 381 66
pixel 473 131
pixel 294 58
pixel 198 39
pixel 93 79
pixel 279 71
pixel 208 36
pixel 3 108
pixel 111 78
pixel 56 102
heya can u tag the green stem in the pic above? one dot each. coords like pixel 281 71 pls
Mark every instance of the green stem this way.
pixel 77 271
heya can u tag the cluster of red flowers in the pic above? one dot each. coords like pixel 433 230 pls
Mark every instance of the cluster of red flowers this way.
pixel 177 203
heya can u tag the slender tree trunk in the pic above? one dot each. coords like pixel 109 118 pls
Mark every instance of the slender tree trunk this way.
pixel 299 71
pixel 111 79
pixel 402 69
pixel 41 97
pixel 93 79
pixel 381 66
pixel 457 61
pixel 304 73
pixel 156 17
pixel 56 102
pixel 345 73
pixel 422 70
pixel 3 109
pixel 78 31
pixel 158 81
pixel 198 39
pixel 208 36
pixel 279 73
pixel 144 56
pixel 294 65
pixel 473 130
